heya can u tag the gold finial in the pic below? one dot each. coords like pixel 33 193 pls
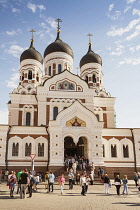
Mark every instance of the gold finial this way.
pixel 58 20
pixel 32 31
pixel 89 35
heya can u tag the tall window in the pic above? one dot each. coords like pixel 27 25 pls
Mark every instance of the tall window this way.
pixel 22 76
pixel 37 78
pixel 94 78
pixel 54 68
pixel 97 117
pixel 55 112
pixel 49 70
pixel 86 79
pixel 28 118
pixel 28 149
pixel 15 149
pixel 113 151
pixel 59 68
pixel 41 150
pixel 29 74
pixel 125 151
pixel 103 150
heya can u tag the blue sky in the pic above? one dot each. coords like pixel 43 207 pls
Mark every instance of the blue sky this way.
pixel 115 25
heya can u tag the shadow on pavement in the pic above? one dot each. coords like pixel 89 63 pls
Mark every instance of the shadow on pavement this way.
pixel 128 204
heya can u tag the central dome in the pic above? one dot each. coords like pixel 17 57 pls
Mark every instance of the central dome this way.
pixel 58 46
pixel 90 57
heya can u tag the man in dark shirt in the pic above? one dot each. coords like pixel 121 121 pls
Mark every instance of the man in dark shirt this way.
pixel 24 182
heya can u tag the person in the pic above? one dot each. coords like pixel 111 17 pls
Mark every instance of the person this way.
pixel 0 176
pixel 87 183
pixel 77 178
pixel 125 186
pixel 71 179
pixel 51 181
pixel 138 181
pixel 36 181
pixel 46 180
pixel 24 182
pixel 91 176
pixel 74 166
pixel 12 183
pixel 19 181
pixel 106 184
pixel 102 173
pixel 136 178
pixel 31 183
pixel 118 184
pixel 83 184
pixel 61 181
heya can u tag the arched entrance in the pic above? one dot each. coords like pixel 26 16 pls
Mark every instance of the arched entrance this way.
pixel 72 149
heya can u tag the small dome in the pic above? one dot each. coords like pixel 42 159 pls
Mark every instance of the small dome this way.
pixel 31 53
pixel 58 46
pixel 90 57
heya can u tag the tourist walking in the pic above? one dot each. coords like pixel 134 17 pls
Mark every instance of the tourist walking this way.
pixel 19 181
pixel 125 186
pixel 136 178
pixel 71 180
pixel 77 178
pixel 12 183
pixel 83 184
pixel 139 181
pixel 87 183
pixel 24 183
pixel 106 184
pixel 118 184
pixel 51 181
pixel 61 181
pixel 46 180
pixel 74 166
pixel 0 176
pixel 30 184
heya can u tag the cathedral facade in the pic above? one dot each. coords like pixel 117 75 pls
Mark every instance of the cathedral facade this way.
pixel 58 113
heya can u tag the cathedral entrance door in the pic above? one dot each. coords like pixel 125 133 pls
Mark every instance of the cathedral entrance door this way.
pixel 70 149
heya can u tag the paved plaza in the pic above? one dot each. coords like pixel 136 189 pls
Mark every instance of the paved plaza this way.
pixel 72 199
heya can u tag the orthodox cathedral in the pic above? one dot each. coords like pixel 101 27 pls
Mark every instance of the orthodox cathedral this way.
pixel 57 113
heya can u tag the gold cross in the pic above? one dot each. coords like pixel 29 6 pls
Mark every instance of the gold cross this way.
pixel 89 35
pixel 58 20
pixel 32 33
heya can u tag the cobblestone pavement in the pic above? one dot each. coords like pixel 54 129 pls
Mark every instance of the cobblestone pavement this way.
pixel 71 200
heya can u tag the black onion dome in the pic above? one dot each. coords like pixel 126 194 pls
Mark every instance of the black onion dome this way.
pixel 31 53
pixel 58 46
pixel 90 57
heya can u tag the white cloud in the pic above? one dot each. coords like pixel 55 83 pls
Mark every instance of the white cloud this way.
pixel 121 31
pixel 116 15
pixel 15 10
pixel 3 116
pixel 134 49
pixel 13 81
pixel 34 7
pixel 136 12
pixel 130 61
pixel 51 21
pixel 118 51
pixel 133 35
pixel 15 50
pixel 130 1
pixel 111 6
pixel 14 32
pixel 127 8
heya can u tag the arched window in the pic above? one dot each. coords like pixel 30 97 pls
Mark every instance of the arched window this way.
pixel 41 150
pixel 86 79
pixel 29 74
pixel 49 70
pixel 125 151
pixel 22 77
pixel 28 149
pixel 37 78
pixel 55 112
pixel 28 118
pixel 113 151
pixel 54 68
pixel 97 117
pixel 94 78
pixel 59 68
pixel 15 149
pixel 103 150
